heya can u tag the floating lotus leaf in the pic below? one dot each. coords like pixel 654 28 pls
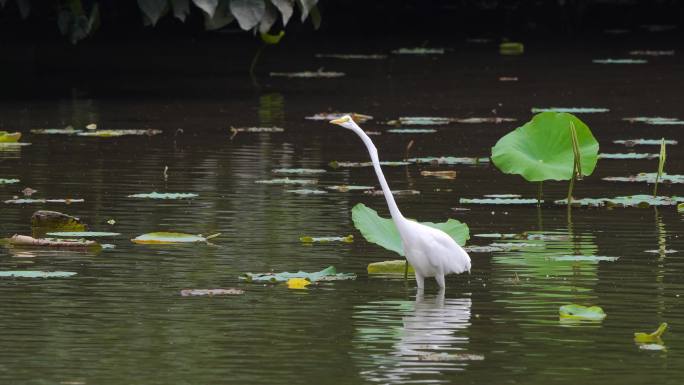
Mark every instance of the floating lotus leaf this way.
pixel 486 119
pixel 327 274
pixel 497 235
pixel 328 116
pixel 421 121
pixel 651 337
pixel 619 61
pixel 383 232
pixel 647 177
pixel 483 249
pixel 655 120
pixel 629 155
pixel 498 201
pixel 644 142
pixel 584 258
pixel 542 148
pixel 82 234
pixel 649 52
pixel 166 238
pixel 661 251
pixel 117 133
pixel 299 171
pixel 397 266
pixel 570 110
pixel 350 56
pixel 336 164
pixel 31 200
pixel 254 130
pixel 298 283
pixel 69 130
pixel 36 274
pixel 345 188
pixel 307 191
pixel 418 51
pixel 156 195
pixel 9 137
pixel 287 181
pixel 579 312
pixel 26 241
pixel 625 201
pixel 379 193
pixel 412 131
pixel 449 160
pixel 308 74
pixel 8 181
pixel 307 239
pixel 210 292
pixel 443 174
pixel 680 207
pixel 502 195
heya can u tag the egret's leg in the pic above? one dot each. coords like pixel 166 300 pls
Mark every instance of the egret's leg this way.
pixel 440 280
pixel 420 281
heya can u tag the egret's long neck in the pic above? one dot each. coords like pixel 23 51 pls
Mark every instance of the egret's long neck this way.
pixel 394 210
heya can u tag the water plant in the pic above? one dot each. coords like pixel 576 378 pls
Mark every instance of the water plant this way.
pixel 661 166
pixel 551 146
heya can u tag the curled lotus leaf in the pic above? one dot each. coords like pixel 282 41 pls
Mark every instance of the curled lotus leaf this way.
pixel 156 195
pixel 168 238
pixel 542 149
pixel 9 137
pixel 384 233
pixel 581 313
pixel 651 337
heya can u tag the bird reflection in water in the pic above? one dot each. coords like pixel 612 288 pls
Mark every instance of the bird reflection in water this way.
pixel 413 341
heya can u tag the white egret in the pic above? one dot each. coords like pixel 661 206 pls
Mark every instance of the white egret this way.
pixel 431 252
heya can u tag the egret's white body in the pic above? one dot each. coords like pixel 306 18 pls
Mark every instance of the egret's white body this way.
pixel 431 252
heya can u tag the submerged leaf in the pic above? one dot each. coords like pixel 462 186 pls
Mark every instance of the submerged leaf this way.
pixel 383 232
pixel 36 274
pixel 651 337
pixel 624 201
pixel 307 239
pixel 649 52
pixel 253 130
pixel 156 195
pixel 306 191
pixel 582 313
pixel 542 149
pixel 210 292
pixel 167 238
pixel 397 266
pixel 584 258
pixel 9 137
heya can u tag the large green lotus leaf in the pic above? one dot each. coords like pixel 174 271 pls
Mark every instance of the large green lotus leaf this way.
pixel 542 148
pixel 383 232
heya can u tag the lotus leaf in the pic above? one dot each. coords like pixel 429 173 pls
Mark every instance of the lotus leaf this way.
pixel 288 181
pixel 680 207
pixel 253 130
pixel 418 51
pixel 487 119
pixel 498 201
pixel 482 249
pixel 449 160
pixel 412 131
pixel 397 266
pixel 82 234
pixel 327 116
pixel 582 313
pixel 619 61
pixel 327 274
pixel 31 200
pixel 156 195
pixel 8 181
pixel 651 337
pixel 502 195
pixel 117 133
pixel 345 188
pixel 9 137
pixel 383 232
pixel 661 251
pixel 644 142
pixel 69 130
pixel 308 74
pixel 497 235
pixel 647 177
pixel 166 238
pixel 210 292
pixel 422 121
pixel 511 48
pixel 336 164
pixel 649 52
pixel 571 110
pixel 446 174
pixel 629 155
pixel 655 120
pixel 36 274
pixel 379 193
pixel 542 148
pixel 625 201
pixel 307 191
pixel 298 283
pixel 584 258
pixel 307 239
pixel 299 171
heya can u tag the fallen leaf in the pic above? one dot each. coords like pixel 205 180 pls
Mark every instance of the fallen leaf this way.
pixel 297 283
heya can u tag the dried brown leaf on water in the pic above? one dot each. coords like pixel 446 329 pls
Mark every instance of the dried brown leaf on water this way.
pixel 210 292
pixel 448 174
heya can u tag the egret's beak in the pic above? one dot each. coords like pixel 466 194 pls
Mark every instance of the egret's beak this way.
pixel 340 121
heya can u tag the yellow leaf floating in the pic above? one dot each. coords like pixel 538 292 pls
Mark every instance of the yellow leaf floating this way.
pixel 297 283
pixel 9 137
pixel 651 337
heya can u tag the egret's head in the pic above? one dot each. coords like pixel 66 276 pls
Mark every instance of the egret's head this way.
pixel 346 121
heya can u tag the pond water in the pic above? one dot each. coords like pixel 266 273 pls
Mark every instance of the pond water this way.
pixel 122 320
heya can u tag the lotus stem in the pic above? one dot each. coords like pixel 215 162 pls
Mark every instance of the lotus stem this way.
pixel 572 185
pixel 254 63
pixel 577 164
pixel 539 193
pixel 406 271
pixel 661 166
